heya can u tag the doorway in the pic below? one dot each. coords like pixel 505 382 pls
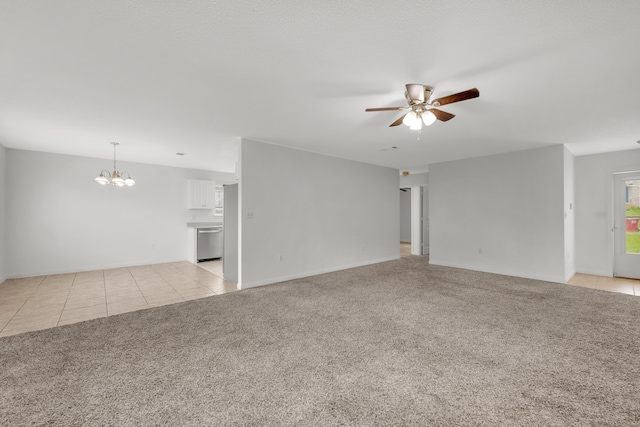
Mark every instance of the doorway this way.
pixel 405 215
pixel 405 221
pixel 419 220
pixel 414 220
pixel 626 211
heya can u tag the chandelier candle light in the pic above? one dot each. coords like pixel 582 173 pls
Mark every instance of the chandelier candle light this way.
pixel 117 178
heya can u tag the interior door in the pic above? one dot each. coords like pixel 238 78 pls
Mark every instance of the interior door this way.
pixel 626 211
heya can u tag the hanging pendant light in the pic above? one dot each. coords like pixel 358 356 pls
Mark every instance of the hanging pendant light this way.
pixel 115 178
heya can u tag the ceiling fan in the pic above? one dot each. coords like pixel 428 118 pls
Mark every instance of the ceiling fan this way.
pixel 422 107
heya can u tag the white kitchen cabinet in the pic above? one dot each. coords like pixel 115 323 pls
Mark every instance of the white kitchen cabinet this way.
pixel 202 194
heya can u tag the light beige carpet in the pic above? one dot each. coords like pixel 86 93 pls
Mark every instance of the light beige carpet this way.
pixel 397 343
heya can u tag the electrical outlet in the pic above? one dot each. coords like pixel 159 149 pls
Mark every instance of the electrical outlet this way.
pixel 249 215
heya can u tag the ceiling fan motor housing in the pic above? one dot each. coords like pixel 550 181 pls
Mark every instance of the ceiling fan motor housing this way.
pixel 418 94
pixel 428 90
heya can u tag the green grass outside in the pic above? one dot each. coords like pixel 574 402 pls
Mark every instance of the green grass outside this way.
pixel 633 211
pixel 633 243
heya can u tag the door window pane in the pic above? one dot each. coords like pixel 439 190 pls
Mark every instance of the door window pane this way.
pixel 632 207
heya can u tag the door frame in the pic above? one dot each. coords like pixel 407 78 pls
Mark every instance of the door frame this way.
pixel 615 244
pixel 416 220
pixel 418 215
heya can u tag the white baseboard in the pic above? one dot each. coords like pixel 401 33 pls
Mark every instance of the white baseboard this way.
pixel 90 268
pixel 502 272
pixel 594 272
pixel 272 280
pixel 3 278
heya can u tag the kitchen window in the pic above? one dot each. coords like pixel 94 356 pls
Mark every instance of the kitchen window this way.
pixel 218 208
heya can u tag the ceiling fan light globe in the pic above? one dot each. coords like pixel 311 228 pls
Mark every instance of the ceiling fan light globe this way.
pixel 416 125
pixel 129 182
pixel 410 118
pixel 428 118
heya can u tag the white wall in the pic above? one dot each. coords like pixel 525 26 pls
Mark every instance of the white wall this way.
pixel 231 248
pixel 320 213
pixel 414 179
pixel 594 208
pixel 405 216
pixel 3 240
pixel 569 215
pixel 501 213
pixel 59 220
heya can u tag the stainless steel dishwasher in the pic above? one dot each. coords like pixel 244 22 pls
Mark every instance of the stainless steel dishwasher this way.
pixel 210 243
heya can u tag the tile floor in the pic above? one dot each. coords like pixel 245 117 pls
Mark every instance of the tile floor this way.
pixel 405 249
pixel 611 284
pixel 42 302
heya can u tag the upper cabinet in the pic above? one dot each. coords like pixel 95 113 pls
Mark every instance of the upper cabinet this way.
pixel 202 194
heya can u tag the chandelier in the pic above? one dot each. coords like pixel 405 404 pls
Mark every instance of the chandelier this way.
pixel 119 179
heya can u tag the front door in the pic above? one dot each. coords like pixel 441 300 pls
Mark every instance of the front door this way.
pixel 626 212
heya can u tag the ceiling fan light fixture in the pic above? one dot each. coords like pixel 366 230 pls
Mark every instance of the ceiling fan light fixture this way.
pixel 410 119
pixel 423 109
pixel 416 125
pixel 428 118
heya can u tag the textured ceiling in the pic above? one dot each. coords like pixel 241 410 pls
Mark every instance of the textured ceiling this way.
pixel 162 77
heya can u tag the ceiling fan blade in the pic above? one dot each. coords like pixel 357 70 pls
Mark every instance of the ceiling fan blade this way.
pixel 386 109
pixel 399 121
pixel 457 97
pixel 443 116
pixel 415 93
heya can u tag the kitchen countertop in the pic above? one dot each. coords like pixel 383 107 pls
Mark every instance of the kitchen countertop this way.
pixel 203 224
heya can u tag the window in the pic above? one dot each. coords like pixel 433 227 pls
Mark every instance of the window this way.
pixel 218 208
